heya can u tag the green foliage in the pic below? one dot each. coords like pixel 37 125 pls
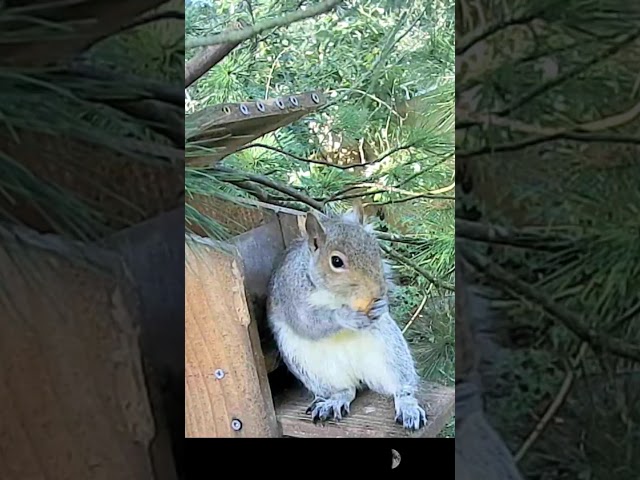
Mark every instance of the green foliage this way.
pixel 387 69
pixel 154 49
pixel 568 64
pixel 31 99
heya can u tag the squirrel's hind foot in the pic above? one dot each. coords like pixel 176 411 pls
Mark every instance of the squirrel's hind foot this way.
pixel 410 414
pixel 333 408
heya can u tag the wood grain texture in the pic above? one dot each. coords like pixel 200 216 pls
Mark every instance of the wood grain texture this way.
pixel 153 252
pixel 72 389
pixel 235 218
pixel 219 335
pixel 372 415
pixel 260 248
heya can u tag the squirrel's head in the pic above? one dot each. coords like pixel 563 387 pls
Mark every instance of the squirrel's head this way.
pixel 346 257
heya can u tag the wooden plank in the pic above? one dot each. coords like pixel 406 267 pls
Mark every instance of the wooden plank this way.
pixel 260 250
pixel 72 388
pixel 220 336
pixel 371 416
pixel 153 252
pixel 235 218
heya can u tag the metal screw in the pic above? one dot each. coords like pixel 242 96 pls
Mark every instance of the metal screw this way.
pixel 280 104
pixel 244 109
pixel 260 106
pixel 219 374
pixel 236 424
pixel 315 98
pixel 294 101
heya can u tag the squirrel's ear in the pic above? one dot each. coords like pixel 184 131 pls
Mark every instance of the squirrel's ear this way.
pixel 315 231
pixel 356 214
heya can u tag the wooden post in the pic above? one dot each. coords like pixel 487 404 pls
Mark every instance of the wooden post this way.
pixel 227 392
pixel 153 253
pixel 72 387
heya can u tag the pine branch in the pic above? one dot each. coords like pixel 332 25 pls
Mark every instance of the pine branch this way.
pixel 411 264
pixel 498 235
pixel 209 57
pixel 258 28
pixel 531 141
pixel 257 192
pixel 267 182
pixel 384 156
pixel 570 74
pixel 480 34
pixel 512 284
pixel 406 239
pixel 57 46
pixel 148 89
pixel 341 195
pixel 145 20
pixel 417 196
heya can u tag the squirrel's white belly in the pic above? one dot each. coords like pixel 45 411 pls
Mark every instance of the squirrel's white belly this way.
pixel 344 360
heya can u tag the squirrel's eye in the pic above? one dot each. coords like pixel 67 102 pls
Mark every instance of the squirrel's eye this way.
pixel 336 262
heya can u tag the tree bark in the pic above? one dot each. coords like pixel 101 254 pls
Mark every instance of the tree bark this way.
pixel 206 59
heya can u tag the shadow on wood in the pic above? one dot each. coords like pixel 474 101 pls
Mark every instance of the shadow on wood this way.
pixel 153 253
pixel 72 386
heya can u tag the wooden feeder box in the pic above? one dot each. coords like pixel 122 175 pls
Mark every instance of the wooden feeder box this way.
pixel 230 358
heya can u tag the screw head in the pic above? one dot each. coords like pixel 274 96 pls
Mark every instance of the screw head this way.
pixel 219 373
pixel 236 424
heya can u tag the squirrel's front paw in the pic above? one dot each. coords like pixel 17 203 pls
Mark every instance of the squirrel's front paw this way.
pixel 334 407
pixel 354 320
pixel 379 307
pixel 409 413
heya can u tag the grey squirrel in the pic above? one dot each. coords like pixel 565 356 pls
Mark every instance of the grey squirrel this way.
pixel 328 310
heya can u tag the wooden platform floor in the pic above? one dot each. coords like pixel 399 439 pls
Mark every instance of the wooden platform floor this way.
pixel 372 415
